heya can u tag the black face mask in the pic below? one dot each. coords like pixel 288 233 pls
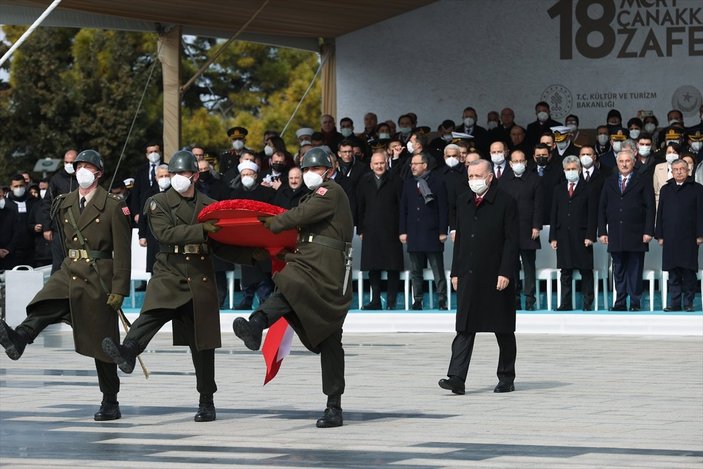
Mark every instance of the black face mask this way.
pixel 542 160
pixel 278 167
pixel 204 175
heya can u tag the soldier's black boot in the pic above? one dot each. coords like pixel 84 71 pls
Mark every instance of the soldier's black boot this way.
pixel 250 331
pixel 206 409
pixel 333 413
pixel 13 341
pixel 109 409
pixel 124 355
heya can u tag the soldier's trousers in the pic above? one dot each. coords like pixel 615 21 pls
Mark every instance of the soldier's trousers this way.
pixel 43 314
pixel 330 350
pixel 148 324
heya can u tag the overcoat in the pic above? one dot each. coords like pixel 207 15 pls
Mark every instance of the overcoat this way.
pixel 180 278
pixel 527 192
pixel 313 278
pixel 485 247
pixel 679 223
pixel 105 225
pixel 625 217
pixel 573 220
pixel 423 223
pixel 378 210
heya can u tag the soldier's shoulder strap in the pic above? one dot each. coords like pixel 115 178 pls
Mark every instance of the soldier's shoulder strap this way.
pixel 56 204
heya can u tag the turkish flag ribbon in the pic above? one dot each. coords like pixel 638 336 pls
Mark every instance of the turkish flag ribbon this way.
pixel 240 226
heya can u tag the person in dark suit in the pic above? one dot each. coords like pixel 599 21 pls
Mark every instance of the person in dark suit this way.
pixel 454 174
pixel 352 169
pixel 423 226
pixel 23 204
pixel 679 230
pixel 626 225
pixel 526 188
pixel 572 231
pixel 592 172
pixel 469 127
pixel 9 234
pixel 289 196
pixel 146 238
pixel 550 173
pixel 144 179
pixel 499 158
pixel 543 123
pixel 378 204
pixel 483 269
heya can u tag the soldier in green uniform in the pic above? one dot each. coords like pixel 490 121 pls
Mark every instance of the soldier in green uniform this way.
pixel 93 279
pixel 313 290
pixel 182 288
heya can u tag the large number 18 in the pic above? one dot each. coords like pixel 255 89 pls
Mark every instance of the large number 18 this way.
pixel 587 25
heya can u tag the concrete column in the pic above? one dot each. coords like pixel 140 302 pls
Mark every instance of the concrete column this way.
pixel 169 47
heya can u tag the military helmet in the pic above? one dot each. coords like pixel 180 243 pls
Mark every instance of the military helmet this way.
pixel 315 157
pixel 89 156
pixel 183 160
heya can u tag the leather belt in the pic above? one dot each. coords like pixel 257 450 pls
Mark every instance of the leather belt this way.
pixel 85 254
pixel 184 248
pixel 325 241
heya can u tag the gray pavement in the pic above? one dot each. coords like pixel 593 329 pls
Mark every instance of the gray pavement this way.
pixel 580 401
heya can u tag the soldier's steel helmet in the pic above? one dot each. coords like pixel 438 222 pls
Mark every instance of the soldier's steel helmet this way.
pixel 315 157
pixel 89 156
pixel 183 160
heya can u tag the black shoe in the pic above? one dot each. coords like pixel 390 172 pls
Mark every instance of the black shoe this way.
pixel 244 304
pixel 124 355
pixel 618 308
pixel 12 341
pixel 331 418
pixel 453 384
pixel 248 332
pixel 504 387
pixel 108 411
pixel 688 309
pixel 587 307
pixel 442 305
pixel 669 309
pixel 564 308
pixel 530 307
pixel 417 305
pixel 634 308
pixel 391 306
pixel 141 287
pixel 206 413
pixel 374 305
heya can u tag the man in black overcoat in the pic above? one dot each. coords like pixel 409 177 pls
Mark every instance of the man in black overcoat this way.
pixel 378 205
pixel 483 274
pixel 679 230
pixel 626 224
pixel 572 232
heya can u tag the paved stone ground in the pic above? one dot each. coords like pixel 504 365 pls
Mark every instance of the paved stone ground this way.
pixel 581 401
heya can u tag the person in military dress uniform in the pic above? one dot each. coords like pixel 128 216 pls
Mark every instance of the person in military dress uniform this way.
pixel 182 288
pixel 88 289
pixel 230 158
pixel 313 290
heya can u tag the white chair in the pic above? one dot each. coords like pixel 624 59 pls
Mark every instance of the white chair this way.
pixel 138 272
pixel 356 273
pixel 601 267
pixel 233 275
pixel 546 268
pixel 448 258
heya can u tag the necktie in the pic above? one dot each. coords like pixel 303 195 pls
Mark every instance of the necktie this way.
pixel 81 206
pixel 477 201
pixel 499 172
pixel 588 175
pixel 623 184
pixel 152 174
pixel 571 189
pixel 540 170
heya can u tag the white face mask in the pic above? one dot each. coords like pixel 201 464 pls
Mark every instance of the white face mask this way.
pixel 68 167
pixel 384 135
pixel 572 175
pixel 164 183
pixel 674 121
pixel 312 180
pixel 180 183
pixel 42 193
pixel 492 125
pixel 603 139
pixel 671 157
pixel 644 150
pixel 451 161
pixel 18 191
pixel 573 127
pixel 237 144
pixel 305 142
pixel 153 157
pixel 478 186
pixel 586 161
pixel 85 177
pixel 469 121
pixel 561 146
pixel 696 146
pixel 542 116
pixel 649 127
pixel 404 130
pixel 346 131
pixel 498 158
pixel 268 150
pixel 447 137
pixel 2 203
pixel 410 147
pixel 248 181
pixel 634 134
pixel 518 168
pixel 617 146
